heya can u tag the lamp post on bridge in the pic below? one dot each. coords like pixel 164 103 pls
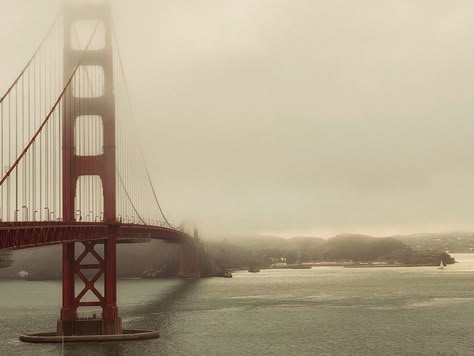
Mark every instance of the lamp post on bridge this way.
pixel 47 213
pixel 34 215
pixel 5 170
pixel 26 212
pixel 78 213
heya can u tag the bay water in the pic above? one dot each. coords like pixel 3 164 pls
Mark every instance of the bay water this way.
pixel 321 311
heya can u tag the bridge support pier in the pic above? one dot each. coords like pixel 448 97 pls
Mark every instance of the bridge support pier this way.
pixel 97 261
pixel 189 263
pixel 190 258
pixel 89 267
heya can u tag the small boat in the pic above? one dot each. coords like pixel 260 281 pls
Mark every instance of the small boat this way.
pixel 441 265
pixel 299 266
pixel 23 275
pixel 254 269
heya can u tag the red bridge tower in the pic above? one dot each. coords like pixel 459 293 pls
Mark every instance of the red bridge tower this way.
pixel 101 165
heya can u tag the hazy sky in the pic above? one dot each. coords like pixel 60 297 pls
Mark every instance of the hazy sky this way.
pixel 287 117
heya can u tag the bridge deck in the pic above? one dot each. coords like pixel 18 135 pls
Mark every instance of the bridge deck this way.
pixel 22 235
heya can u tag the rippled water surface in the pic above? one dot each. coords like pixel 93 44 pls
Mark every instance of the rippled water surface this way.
pixel 322 311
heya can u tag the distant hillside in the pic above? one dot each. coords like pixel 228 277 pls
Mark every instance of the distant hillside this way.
pixel 234 251
pixel 261 250
pixel 454 242
pixel 246 251
pixel 5 259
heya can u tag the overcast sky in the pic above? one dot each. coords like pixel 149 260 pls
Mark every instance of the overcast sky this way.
pixel 308 117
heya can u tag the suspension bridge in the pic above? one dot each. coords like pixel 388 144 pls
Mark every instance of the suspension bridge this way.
pixel 72 172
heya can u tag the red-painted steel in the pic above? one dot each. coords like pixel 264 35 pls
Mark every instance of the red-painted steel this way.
pixel 103 165
pixel 19 235
pixel 69 229
pixel 189 264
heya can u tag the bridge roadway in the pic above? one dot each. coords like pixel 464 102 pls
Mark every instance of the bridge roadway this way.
pixel 22 235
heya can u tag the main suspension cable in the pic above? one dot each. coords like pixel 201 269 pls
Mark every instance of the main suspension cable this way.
pixel 32 58
pixel 133 119
pixel 129 198
pixel 50 113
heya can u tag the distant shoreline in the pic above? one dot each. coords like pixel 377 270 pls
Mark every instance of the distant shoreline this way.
pixel 386 265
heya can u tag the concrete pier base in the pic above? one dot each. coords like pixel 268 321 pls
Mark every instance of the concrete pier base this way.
pixel 92 326
pixel 128 335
